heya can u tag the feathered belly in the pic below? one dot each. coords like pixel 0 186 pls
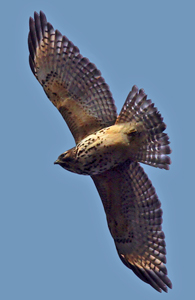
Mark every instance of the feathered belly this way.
pixel 101 151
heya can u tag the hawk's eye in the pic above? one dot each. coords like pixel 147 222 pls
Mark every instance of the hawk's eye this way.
pixel 68 158
pixel 63 155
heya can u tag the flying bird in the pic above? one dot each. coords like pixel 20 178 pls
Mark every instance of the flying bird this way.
pixel 109 147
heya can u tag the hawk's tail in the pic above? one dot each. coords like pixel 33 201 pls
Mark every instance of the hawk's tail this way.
pixel 155 149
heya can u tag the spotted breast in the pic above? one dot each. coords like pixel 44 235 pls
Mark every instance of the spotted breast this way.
pixel 103 149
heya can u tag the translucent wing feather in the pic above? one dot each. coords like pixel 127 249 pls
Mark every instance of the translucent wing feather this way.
pixel 134 218
pixel 72 83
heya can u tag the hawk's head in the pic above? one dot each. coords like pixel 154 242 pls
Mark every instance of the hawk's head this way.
pixel 68 161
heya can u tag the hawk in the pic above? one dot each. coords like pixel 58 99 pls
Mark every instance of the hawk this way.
pixel 109 147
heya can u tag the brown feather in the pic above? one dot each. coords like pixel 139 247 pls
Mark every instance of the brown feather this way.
pixel 69 80
pixel 154 150
pixel 110 154
pixel 134 219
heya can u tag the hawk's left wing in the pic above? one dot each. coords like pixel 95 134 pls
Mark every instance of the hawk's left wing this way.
pixel 72 83
pixel 134 218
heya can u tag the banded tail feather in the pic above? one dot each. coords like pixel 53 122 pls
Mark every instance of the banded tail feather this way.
pixel 155 149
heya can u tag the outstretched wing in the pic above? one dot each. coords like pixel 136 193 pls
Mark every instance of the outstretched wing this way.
pixel 71 82
pixel 134 219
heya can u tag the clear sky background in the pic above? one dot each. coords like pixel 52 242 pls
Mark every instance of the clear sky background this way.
pixel 54 240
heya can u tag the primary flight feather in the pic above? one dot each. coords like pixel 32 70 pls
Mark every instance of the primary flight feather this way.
pixel 108 147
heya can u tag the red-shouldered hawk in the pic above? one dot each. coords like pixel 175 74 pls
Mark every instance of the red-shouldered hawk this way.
pixel 108 147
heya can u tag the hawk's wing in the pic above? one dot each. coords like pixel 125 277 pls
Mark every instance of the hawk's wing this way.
pixel 134 218
pixel 71 82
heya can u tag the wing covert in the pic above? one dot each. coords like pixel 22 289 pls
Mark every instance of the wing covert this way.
pixel 72 83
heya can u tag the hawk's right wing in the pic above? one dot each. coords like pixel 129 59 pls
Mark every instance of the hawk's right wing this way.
pixel 134 218
pixel 73 84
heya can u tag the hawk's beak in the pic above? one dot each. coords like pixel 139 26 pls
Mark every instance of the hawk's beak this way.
pixel 57 162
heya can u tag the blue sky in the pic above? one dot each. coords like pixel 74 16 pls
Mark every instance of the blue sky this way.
pixel 55 243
